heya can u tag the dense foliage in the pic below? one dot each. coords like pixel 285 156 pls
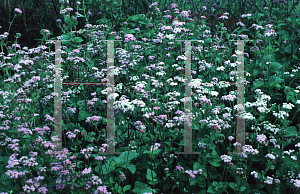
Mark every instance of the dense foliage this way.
pixel 149 98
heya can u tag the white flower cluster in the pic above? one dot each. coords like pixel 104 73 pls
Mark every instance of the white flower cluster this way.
pixel 271 156
pixel 255 174
pixel 248 116
pixel 132 146
pixel 119 87
pixel 155 147
pixel 173 95
pixel 288 106
pixel 226 158
pixel 125 105
pixel 223 84
pixel 169 125
pixel 288 152
pixel 290 174
pixel 269 180
pixel 171 155
pixel 270 127
pixel 281 114
pixel 222 68
pixel 66 10
pixel 139 103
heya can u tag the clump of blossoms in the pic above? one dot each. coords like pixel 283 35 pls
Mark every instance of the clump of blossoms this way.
pixel 226 158
pixel 93 118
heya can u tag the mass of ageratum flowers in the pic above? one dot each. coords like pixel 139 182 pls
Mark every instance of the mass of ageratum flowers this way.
pixel 147 44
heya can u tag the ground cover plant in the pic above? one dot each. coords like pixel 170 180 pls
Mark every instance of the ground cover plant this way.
pixel 149 101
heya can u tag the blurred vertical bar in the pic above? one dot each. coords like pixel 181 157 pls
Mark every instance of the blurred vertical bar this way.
pixel 240 134
pixel 188 103
pixel 57 98
pixel 188 139
pixel 110 93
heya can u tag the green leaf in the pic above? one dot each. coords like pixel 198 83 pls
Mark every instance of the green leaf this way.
pixel 202 191
pixel 97 168
pixel 67 20
pixel 243 188
pixel 111 180
pixel 27 137
pixel 138 17
pixel 258 84
pixel 295 49
pixel 274 66
pixel 132 168
pixel 286 36
pixel 290 95
pixel 77 39
pixel 288 48
pixel 119 188
pixel 211 189
pixel 242 30
pixel 291 131
pixel 141 188
pixel 233 185
pixel 272 167
pixel 281 32
pixel 207 40
pixel 123 158
pixel 214 153
pixel 282 24
pixel 274 85
pixel 127 188
pixel 196 166
pixel 83 115
pixel 193 182
pixel 276 79
pixel 149 174
pixel 90 64
pixel 215 162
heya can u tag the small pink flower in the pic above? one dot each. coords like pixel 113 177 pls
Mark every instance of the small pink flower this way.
pixel 18 10
pixel 123 177
pixel 30 68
